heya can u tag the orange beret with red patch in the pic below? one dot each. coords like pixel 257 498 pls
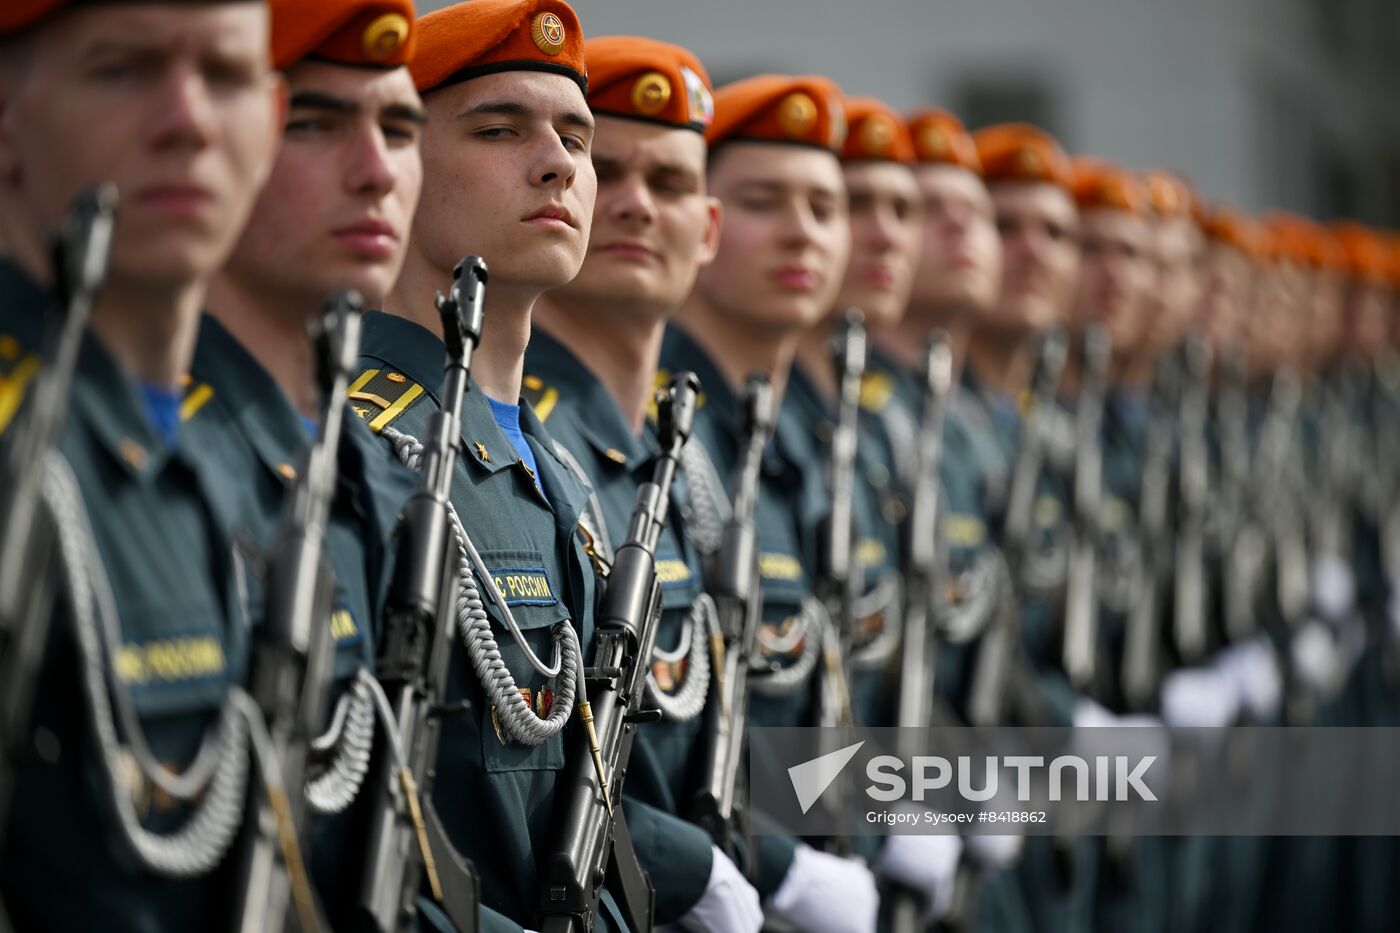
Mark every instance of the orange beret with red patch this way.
pixel 1170 195
pixel 941 137
pixel 1295 239
pixel 1100 185
pixel 481 37
pixel 1223 225
pixel 1367 257
pixel 874 131
pixel 1020 152
pixel 349 32
pixel 779 109
pixel 629 76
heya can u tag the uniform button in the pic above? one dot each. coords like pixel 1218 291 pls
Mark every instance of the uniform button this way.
pixel 133 453
pixel 615 455
pixel 289 472
pixel 396 377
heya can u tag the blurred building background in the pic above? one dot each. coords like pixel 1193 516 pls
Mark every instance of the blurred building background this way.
pixel 1290 104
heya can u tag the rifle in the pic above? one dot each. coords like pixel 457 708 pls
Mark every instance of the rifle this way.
pixel 1000 649
pixel 836 581
pixel 79 259
pixel 738 603
pixel 923 579
pixel 593 841
pixel 407 839
pixel 1189 602
pixel 1082 596
pixel 1142 631
pixel 291 670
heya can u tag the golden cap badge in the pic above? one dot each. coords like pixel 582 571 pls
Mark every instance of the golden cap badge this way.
pixel 548 32
pixel 797 115
pixel 934 142
pixel 876 135
pixel 651 93
pixel 1029 161
pixel 383 36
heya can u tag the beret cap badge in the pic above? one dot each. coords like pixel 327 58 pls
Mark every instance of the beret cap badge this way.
pixel 547 29
pixel 383 36
pixel 797 115
pixel 651 93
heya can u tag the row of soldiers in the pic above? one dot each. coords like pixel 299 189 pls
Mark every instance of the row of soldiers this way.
pixel 620 473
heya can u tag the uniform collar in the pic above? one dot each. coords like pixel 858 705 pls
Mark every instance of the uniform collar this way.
pixel 105 398
pixel 593 412
pixel 252 398
pixel 419 354
pixel 679 351
pixel 22 308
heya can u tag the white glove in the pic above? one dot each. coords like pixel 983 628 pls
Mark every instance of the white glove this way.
pixel 824 893
pixel 993 852
pixel 1333 587
pixel 1089 715
pixel 1316 659
pixel 1198 697
pixel 1252 667
pixel 729 904
pixel 927 864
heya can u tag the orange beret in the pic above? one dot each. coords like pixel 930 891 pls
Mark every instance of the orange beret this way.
pixel 1170 195
pixel 17 14
pixel 1100 185
pixel 481 37
pixel 940 137
pixel 1394 241
pixel 779 109
pixel 648 80
pixel 1367 257
pixel 1298 240
pixel 1223 225
pixel 1019 152
pixel 350 32
pixel 874 131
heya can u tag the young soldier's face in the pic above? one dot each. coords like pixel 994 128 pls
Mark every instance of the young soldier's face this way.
pixel 1116 274
pixel 654 226
pixel 1039 227
pixel 1226 292
pixel 174 103
pixel 507 176
pixel 784 240
pixel 1325 310
pixel 960 266
pixel 1176 296
pixel 337 209
pixel 885 208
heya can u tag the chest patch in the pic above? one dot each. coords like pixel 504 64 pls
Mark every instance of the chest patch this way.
pixel 525 586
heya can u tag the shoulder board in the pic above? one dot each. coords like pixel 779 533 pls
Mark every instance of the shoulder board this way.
pixel 17 371
pixel 379 396
pixel 195 396
pixel 875 391
pixel 540 396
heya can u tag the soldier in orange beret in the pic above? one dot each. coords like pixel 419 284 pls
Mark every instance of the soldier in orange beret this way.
pixel 1231 263
pixel 1366 325
pixel 335 214
pixel 176 106
pixel 1117 265
pixel 784 245
pixel 593 355
pixel 1179 250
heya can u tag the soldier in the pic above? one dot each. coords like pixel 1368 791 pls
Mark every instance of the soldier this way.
pixel 884 216
pixel 956 279
pixel 335 214
pixel 784 240
pixel 590 369
pixel 177 106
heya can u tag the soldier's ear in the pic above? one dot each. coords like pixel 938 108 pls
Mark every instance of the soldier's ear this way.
pixel 709 247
